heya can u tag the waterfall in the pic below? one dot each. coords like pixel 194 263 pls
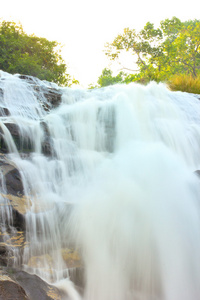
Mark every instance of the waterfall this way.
pixel 109 173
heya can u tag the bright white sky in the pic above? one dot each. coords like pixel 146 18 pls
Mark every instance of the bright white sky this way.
pixel 84 26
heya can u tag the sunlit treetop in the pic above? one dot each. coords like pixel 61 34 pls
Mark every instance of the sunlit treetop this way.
pixel 173 48
pixel 31 55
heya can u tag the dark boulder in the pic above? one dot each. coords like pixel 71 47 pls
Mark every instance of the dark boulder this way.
pixel 36 288
pixel 12 290
pixel 12 195
pixel 22 145
pixel 48 95
pixel 14 184
pixel 4 111
pixel 25 146
pixel 197 172
pixel 53 97
pixel 19 285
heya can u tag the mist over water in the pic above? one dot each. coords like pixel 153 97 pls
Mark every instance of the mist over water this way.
pixel 118 185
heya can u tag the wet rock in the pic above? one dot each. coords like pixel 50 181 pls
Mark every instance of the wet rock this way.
pixel 19 285
pixel 197 172
pixel 20 204
pixel 15 133
pixel 28 78
pixel 1 93
pixel 18 220
pixel 77 277
pixel 13 202
pixel 36 288
pixel 12 290
pixel 3 253
pixel 4 258
pixel 14 184
pixel 11 242
pixel 71 257
pixel 13 128
pixel 72 260
pixel 5 164
pixel 3 146
pixel 4 111
pixel 47 148
pixel 2 248
pixel 24 145
pixel 51 95
pixel 17 207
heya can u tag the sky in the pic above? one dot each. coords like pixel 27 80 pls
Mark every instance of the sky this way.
pixel 84 26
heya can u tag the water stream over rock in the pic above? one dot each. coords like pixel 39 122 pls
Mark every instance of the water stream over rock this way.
pixel 104 184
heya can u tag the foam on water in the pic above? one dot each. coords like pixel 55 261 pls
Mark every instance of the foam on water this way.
pixel 118 185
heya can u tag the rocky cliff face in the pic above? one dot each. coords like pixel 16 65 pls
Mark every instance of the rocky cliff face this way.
pixel 15 283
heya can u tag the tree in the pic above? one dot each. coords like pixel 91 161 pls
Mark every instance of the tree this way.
pixel 31 55
pixel 106 78
pixel 173 48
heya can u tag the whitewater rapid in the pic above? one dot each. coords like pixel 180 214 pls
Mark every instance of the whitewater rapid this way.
pixel 118 185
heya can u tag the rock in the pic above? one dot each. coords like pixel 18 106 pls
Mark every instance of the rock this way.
pixel 11 290
pixel 19 285
pixel 3 253
pixel 71 257
pixel 19 204
pixel 4 111
pixel 25 145
pixel 36 288
pixel 5 164
pixel 28 78
pixel 75 266
pixel 13 128
pixel 1 92
pixel 13 202
pixel 11 243
pixel 2 248
pixel 17 207
pixel 77 277
pixel 51 95
pixel 197 172
pixel 47 148
pixel 3 146
pixel 13 182
pixel 21 145
pixel 14 131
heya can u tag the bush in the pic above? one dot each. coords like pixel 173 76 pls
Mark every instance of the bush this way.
pixel 185 83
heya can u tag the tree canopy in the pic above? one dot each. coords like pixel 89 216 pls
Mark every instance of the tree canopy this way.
pixel 31 55
pixel 159 53
pixel 106 78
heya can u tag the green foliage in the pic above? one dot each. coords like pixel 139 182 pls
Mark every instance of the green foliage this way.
pixel 173 48
pixel 31 55
pixel 106 78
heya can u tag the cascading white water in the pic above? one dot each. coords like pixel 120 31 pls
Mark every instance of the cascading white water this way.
pixel 119 185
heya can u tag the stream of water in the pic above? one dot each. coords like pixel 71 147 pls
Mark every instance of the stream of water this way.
pixel 118 185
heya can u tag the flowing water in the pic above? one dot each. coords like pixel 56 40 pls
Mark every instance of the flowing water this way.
pixel 117 184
